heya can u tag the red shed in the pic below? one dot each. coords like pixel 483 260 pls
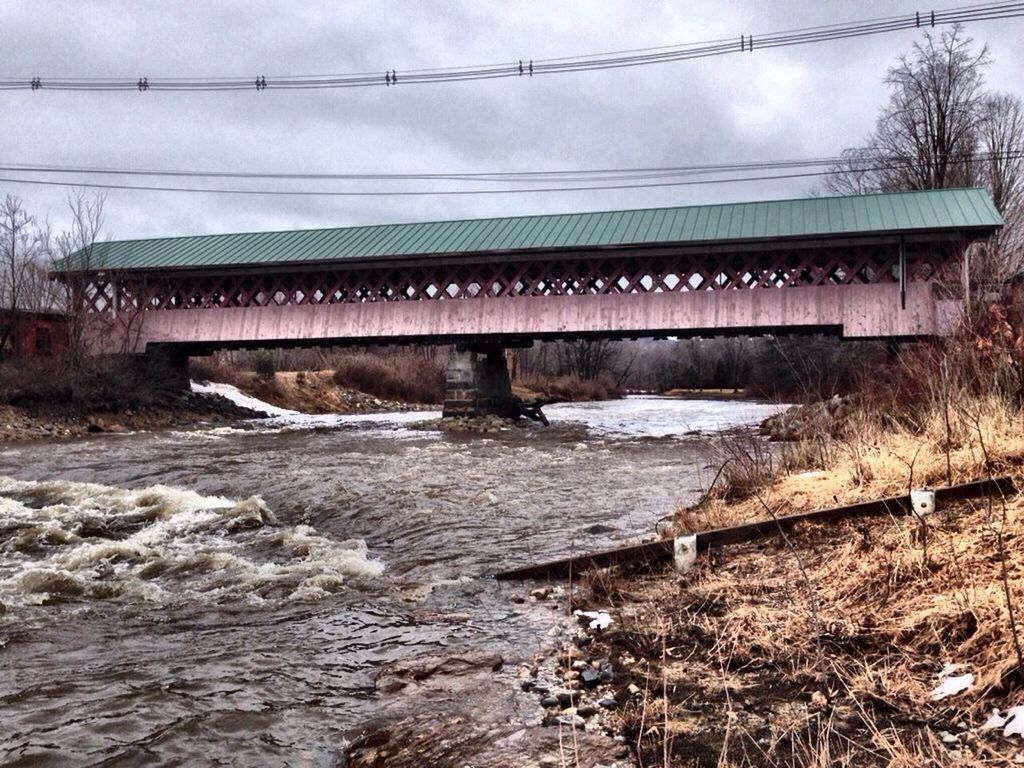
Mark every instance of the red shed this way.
pixel 34 334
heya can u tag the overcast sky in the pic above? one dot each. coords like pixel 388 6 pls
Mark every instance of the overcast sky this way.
pixel 785 103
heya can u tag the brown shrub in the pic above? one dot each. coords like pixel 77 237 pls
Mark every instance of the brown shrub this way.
pixel 984 358
pixel 100 384
pixel 212 368
pixel 571 388
pixel 404 376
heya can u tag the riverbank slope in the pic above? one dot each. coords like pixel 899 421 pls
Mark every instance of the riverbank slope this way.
pixel 876 641
pixel 50 398
pixel 174 410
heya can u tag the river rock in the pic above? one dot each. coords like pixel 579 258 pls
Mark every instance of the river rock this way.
pixel 566 698
pixel 805 422
pixel 437 670
pixel 438 740
pixel 572 721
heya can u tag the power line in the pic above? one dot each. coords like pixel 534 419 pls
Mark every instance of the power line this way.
pixel 389 77
pixel 624 184
pixel 601 174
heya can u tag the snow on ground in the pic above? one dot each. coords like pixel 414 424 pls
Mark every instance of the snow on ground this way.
pixel 235 395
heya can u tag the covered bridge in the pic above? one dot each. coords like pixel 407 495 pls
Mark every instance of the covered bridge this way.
pixel 866 266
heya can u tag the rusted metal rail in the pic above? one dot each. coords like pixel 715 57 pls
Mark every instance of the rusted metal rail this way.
pixel 664 549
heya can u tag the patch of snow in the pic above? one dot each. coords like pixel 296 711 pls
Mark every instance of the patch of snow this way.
pixel 951 686
pixel 235 395
pixel 1014 721
pixel 949 669
pixel 995 720
pixel 599 619
pixel 282 418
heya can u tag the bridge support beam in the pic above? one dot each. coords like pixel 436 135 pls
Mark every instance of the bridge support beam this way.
pixel 477 383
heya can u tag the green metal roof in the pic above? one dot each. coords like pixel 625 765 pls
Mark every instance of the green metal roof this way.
pixel 931 210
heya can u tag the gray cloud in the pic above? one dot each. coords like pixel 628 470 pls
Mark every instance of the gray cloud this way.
pixel 792 102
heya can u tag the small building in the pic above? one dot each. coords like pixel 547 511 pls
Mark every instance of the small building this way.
pixel 33 334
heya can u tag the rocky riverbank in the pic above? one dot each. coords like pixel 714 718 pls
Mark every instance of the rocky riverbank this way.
pixel 470 708
pixel 810 421
pixel 877 641
pixel 63 421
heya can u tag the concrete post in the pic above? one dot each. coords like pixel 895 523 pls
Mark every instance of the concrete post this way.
pixel 477 383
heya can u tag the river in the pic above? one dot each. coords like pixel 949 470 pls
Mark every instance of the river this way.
pixel 224 595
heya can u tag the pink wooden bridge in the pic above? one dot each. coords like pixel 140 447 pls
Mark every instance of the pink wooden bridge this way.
pixel 872 266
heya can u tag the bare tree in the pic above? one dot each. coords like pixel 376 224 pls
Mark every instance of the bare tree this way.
pixel 941 129
pixel 928 133
pixel 856 173
pixel 1001 169
pixel 75 258
pixel 736 353
pixel 587 359
pixel 23 247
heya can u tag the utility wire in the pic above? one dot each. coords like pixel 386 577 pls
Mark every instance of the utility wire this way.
pixel 388 77
pixel 602 174
pixel 528 176
pixel 870 166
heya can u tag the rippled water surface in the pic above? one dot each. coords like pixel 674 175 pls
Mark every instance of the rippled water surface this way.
pixel 224 595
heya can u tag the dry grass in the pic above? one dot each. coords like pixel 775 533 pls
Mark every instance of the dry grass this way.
pixel 764 667
pixel 870 461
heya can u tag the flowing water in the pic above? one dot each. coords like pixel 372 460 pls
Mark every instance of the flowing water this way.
pixel 223 596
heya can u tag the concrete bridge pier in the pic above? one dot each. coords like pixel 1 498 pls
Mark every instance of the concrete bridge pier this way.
pixel 477 382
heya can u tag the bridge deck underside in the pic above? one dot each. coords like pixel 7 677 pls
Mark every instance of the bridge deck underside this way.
pixel 852 290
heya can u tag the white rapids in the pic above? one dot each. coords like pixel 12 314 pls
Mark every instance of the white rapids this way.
pixel 63 540
pixel 654 416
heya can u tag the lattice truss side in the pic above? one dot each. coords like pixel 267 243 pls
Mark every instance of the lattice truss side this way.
pixel 557 277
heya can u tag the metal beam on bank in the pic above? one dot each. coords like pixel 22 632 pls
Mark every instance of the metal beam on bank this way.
pixel 664 550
